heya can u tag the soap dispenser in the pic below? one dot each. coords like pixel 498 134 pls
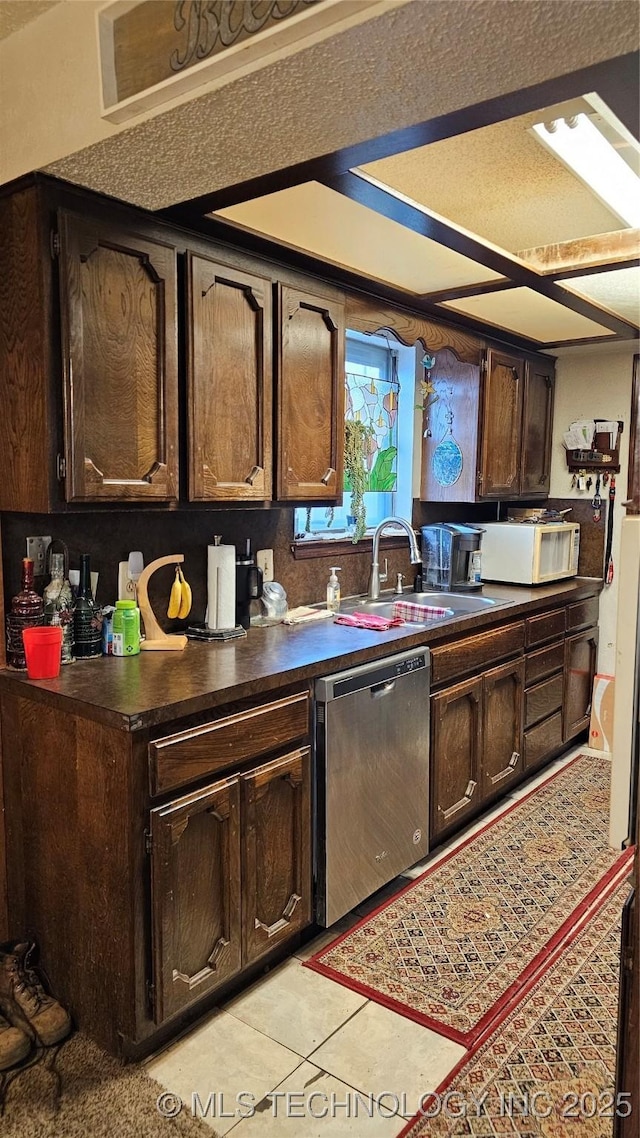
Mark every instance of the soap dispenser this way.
pixel 333 590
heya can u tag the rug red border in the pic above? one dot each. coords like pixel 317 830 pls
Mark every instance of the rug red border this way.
pixel 466 1039
pixel 607 891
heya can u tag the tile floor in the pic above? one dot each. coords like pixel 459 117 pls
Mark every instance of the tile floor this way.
pixel 299 1055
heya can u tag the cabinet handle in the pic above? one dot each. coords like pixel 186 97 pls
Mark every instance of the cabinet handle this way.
pixel 326 477
pixel 285 919
pixel 515 759
pixel 251 477
pixel 514 372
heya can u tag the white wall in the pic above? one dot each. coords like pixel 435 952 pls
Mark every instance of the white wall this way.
pixel 595 383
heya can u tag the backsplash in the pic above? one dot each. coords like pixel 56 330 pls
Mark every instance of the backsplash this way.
pixel 109 536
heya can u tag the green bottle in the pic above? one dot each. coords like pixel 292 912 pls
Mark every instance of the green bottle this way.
pixel 126 629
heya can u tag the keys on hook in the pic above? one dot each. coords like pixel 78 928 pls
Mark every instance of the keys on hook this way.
pixel 597 502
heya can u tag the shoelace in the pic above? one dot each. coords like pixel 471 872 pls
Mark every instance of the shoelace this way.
pixel 29 985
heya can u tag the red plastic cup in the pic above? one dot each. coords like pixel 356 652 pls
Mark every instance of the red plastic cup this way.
pixel 43 650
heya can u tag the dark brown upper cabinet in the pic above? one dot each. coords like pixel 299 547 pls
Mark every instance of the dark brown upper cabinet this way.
pixel 310 396
pixel 229 382
pixel 119 348
pixel 537 421
pixel 499 474
pixel 496 419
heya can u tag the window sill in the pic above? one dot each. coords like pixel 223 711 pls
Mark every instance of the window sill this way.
pixel 344 546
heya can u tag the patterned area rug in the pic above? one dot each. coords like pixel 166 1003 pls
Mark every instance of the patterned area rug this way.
pixel 548 1068
pixel 450 949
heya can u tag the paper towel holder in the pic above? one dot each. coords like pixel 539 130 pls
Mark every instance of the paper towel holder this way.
pixel 156 640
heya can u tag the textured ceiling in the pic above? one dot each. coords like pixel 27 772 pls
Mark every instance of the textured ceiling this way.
pixel 500 183
pixel 414 62
pixel 618 290
pixel 14 14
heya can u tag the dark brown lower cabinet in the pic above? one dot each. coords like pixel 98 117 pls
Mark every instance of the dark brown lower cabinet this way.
pixel 230 878
pixel 276 848
pixel 502 711
pixel 476 744
pixel 580 659
pixel 195 895
pixel 456 753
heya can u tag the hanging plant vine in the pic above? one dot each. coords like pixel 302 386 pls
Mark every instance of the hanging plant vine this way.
pixel 356 435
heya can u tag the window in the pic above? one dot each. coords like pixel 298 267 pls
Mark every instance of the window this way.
pixel 380 392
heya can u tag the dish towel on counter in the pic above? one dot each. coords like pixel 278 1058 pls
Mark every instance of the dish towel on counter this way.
pixel 419 613
pixel 369 620
pixel 304 613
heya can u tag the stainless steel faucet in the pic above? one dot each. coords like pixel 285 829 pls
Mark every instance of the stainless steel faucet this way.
pixel 375 576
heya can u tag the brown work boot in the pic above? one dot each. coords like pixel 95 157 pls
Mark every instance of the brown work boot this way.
pixel 23 999
pixel 14 1045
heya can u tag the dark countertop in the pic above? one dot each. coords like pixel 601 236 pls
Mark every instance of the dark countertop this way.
pixel 157 687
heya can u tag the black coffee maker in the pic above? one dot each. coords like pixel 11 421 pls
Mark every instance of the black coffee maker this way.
pixel 248 585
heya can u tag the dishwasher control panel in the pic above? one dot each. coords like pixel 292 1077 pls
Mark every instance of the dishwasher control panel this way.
pixel 391 669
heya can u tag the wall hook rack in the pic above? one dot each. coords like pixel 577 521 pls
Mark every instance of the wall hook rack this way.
pixel 599 458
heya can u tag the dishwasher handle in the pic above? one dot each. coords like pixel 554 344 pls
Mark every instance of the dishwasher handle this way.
pixel 385 688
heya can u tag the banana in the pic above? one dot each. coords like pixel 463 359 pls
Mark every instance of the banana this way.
pixel 185 596
pixel 175 599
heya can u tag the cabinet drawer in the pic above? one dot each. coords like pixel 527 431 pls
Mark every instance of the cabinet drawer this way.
pixel 546 626
pixel 543 699
pixel 543 663
pixel 582 614
pixel 473 653
pixel 541 741
pixel 199 751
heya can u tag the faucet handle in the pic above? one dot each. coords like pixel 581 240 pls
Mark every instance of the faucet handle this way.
pixel 383 576
pixel 399 580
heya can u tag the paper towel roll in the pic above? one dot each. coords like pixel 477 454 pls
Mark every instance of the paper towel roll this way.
pixel 221 586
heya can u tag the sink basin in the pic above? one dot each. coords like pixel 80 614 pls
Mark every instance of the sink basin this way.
pixel 459 603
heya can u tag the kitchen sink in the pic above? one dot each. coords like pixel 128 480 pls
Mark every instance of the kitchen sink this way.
pixel 458 604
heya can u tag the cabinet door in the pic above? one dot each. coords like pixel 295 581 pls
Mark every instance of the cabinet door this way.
pixel 454 414
pixel 456 746
pixel 119 339
pixel 195 895
pixel 501 421
pixel 537 418
pixel 276 852
pixel 580 657
pixel 229 382
pixel 310 413
pixel 503 694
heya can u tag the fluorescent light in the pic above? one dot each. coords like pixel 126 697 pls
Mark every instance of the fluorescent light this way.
pixel 580 145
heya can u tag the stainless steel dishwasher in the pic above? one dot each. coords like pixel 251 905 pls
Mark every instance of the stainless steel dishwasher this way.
pixel 372 778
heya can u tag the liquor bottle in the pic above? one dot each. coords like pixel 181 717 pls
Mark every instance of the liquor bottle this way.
pixel 26 610
pixel 58 605
pixel 87 618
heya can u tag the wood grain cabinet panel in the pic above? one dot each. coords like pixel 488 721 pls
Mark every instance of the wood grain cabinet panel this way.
pixel 195 885
pixel 310 401
pixel 543 699
pixel 230 740
pixel 544 662
pixel 502 732
pixel 545 626
pixel 473 653
pixel 499 475
pixel 583 613
pixel 456 750
pixel 537 420
pixel 119 341
pixel 542 741
pixel 276 848
pixel 229 382
pixel 581 654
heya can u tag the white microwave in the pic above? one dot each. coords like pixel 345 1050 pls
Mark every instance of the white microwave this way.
pixel 519 553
